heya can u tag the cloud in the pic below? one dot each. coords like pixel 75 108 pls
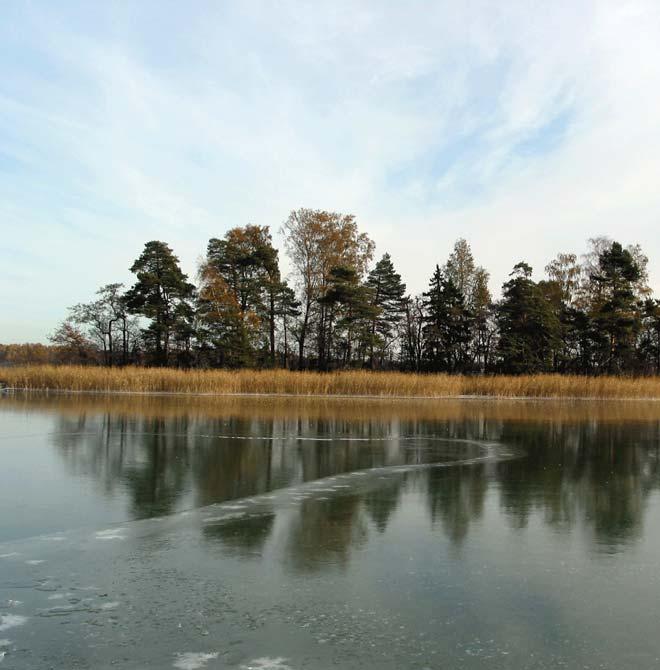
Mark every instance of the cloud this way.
pixel 525 128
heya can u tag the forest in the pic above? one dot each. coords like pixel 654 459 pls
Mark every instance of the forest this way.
pixel 339 308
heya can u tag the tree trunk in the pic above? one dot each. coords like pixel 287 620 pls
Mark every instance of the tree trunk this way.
pixel 286 344
pixel 272 327
pixel 303 335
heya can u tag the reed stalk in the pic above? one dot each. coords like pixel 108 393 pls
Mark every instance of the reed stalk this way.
pixel 344 383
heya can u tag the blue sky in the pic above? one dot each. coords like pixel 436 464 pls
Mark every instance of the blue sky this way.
pixel 525 127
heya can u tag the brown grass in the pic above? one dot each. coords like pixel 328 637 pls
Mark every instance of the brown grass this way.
pixel 348 383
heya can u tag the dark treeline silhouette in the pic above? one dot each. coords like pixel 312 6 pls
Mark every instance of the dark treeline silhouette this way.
pixel 338 309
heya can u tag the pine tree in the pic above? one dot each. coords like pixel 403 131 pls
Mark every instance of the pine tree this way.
pixel 287 307
pixel 616 312
pixel 248 264
pixel 162 294
pixel 650 340
pixel 349 313
pixel 387 293
pixel 412 349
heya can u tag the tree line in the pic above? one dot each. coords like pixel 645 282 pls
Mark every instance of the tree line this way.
pixel 338 309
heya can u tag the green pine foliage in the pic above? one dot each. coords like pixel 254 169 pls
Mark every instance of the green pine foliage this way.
pixel 590 316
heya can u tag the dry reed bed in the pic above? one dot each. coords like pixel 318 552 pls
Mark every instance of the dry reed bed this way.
pixel 345 383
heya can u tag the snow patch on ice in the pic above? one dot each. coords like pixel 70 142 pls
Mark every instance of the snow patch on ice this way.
pixel 193 660
pixel 60 596
pixel 267 663
pixel 110 534
pixel 8 621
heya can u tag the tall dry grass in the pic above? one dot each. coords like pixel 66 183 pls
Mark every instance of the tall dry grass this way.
pixel 346 383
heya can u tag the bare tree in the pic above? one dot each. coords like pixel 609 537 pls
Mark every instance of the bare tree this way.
pixel 316 242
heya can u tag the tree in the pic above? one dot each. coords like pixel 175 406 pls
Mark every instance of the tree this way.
pixel 588 294
pixel 447 325
pixel 387 293
pixel 567 272
pixel 349 313
pixel 287 307
pixel 98 320
pixel 471 281
pixel 413 333
pixel 248 263
pixel 316 242
pixel 119 320
pixel 483 325
pixel 616 312
pixel 527 323
pixel 650 340
pixel 461 269
pixel 162 294
pixel 232 332
pixel 105 319
pixel 73 345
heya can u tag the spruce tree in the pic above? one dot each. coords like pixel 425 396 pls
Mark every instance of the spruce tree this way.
pixel 447 325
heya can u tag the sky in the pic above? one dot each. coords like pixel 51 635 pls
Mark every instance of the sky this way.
pixel 525 127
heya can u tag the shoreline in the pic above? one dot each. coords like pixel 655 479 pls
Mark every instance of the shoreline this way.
pixel 325 396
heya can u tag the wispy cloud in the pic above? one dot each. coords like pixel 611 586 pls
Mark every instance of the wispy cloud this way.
pixel 524 127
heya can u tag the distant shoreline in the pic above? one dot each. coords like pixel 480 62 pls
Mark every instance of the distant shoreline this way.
pixel 344 385
pixel 317 396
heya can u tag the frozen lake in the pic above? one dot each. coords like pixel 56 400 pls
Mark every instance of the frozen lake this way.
pixel 171 532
